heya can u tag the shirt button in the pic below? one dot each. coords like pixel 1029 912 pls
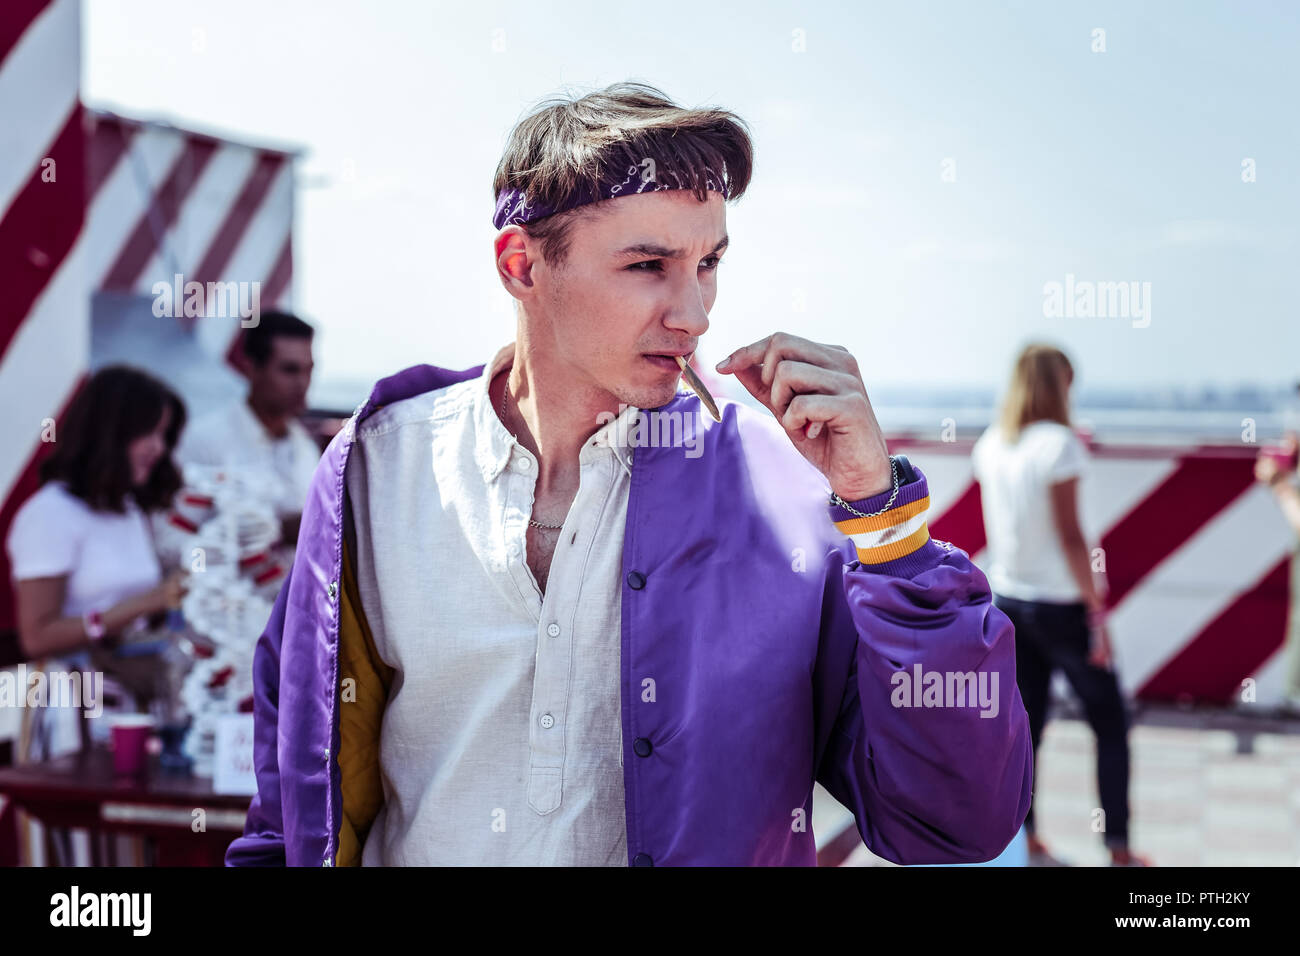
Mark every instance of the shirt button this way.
pixel 513 549
pixel 523 464
pixel 547 721
pixel 635 580
pixel 642 746
pixel 642 859
pixel 553 630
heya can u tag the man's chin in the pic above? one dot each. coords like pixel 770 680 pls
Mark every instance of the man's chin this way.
pixel 660 386
pixel 655 397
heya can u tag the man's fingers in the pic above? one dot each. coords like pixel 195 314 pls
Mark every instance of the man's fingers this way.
pixel 793 378
pixel 768 352
pixel 783 345
pixel 745 356
pixel 805 409
pixel 752 379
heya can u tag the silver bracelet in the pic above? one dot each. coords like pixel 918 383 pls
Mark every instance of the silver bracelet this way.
pixel 893 470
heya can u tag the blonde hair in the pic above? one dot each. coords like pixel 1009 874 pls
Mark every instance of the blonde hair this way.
pixel 1039 390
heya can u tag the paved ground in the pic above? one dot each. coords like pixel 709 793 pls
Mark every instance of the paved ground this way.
pixel 1208 788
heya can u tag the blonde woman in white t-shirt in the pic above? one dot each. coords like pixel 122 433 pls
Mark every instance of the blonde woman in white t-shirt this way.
pixel 1029 465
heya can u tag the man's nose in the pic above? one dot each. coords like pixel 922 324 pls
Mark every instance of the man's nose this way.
pixel 690 315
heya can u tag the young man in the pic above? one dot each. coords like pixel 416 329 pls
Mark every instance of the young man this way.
pixel 546 611
pixel 262 430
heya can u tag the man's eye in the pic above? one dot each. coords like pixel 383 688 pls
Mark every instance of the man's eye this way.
pixel 656 265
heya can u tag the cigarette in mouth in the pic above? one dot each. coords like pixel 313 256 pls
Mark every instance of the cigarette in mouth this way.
pixel 697 386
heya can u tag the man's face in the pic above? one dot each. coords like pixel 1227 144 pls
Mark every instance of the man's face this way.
pixel 281 384
pixel 640 280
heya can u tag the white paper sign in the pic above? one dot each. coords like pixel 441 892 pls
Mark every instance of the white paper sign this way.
pixel 233 759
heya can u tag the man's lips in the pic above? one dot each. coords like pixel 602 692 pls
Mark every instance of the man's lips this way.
pixel 667 360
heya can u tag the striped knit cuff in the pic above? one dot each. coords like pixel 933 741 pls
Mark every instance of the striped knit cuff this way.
pixel 899 532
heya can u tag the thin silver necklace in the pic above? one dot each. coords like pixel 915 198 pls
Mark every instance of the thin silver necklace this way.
pixel 505 388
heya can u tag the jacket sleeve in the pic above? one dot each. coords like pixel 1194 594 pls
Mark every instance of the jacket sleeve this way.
pixel 930 745
pixel 263 841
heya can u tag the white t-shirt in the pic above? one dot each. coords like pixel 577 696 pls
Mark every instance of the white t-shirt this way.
pixel 234 437
pixel 106 558
pixel 1026 560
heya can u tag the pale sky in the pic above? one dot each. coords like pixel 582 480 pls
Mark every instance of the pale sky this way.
pixel 1122 165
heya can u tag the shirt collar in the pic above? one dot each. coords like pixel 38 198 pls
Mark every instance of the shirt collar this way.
pixel 255 430
pixel 249 422
pixel 494 445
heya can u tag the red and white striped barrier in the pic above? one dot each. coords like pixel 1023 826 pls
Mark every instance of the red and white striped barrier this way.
pixel 1197 557
pixel 45 309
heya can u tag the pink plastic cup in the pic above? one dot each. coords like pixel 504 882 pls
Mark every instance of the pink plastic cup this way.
pixel 130 738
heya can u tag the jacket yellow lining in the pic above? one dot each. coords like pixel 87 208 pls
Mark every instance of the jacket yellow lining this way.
pixel 361 712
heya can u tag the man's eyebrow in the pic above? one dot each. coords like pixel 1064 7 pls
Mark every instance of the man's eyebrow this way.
pixel 650 250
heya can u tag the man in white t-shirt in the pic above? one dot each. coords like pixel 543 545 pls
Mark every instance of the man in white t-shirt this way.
pixel 261 433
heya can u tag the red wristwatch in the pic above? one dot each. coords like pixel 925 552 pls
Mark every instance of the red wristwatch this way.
pixel 93 622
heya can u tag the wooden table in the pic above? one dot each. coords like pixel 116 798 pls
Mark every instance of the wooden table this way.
pixel 81 790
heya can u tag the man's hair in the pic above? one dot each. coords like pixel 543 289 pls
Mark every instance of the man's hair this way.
pixel 257 343
pixel 117 405
pixel 564 142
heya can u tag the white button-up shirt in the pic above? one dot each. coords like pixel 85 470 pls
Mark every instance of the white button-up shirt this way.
pixel 501 743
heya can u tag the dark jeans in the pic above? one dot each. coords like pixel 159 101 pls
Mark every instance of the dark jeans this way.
pixel 1052 636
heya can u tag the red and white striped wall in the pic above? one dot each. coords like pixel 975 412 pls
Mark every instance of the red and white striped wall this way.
pixel 45 308
pixel 165 200
pixel 92 202
pixel 1197 558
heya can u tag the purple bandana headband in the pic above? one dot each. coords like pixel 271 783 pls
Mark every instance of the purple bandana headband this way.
pixel 513 205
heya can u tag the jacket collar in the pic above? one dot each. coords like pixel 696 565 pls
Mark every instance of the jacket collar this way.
pixel 493 444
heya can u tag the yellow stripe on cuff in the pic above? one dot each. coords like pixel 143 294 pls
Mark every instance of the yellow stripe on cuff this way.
pixel 895 549
pixel 893 516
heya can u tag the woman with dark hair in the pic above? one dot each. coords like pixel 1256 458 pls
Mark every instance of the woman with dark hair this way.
pixel 84 565
pixel 1029 464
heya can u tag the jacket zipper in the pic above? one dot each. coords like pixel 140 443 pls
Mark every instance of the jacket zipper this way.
pixel 332 837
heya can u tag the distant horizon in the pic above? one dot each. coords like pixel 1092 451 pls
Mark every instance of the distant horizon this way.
pixel 906 410
pixel 1085 394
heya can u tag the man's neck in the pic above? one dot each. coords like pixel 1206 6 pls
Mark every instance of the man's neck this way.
pixel 277 426
pixel 550 414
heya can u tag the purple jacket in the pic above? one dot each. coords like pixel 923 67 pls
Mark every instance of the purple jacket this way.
pixel 780 654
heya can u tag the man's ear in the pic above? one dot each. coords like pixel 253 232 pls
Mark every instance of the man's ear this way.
pixel 235 356
pixel 513 260
pixel 240 362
